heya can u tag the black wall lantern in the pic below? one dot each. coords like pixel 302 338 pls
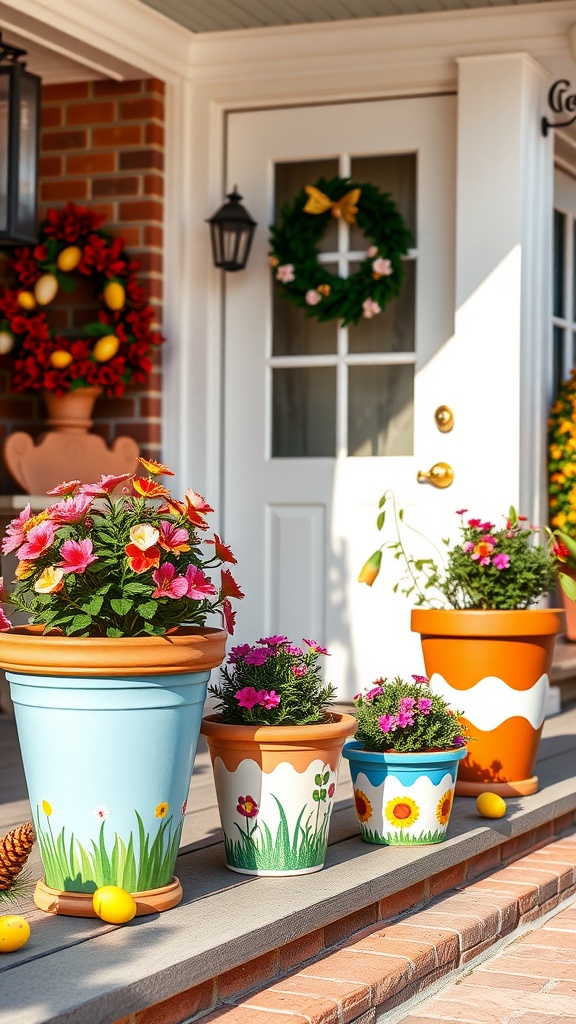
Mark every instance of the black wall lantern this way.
pixel 19 127
pixel 231 231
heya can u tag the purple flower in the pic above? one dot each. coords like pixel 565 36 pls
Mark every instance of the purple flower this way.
pixel 268 699
pixel 238 653
pixel 424 705
pixel 374 692
pixel 292 649
pixel 258 656
pixel 468 546
pixel 405 718
pixel 247 697
pixel 459 741
pixel 273 641
pixel 388 723
pixel 501 561
pixel 420 679
pixel 407 703
pixel 316 647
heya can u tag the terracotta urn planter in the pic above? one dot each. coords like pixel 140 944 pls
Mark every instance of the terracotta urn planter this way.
pixel 494 667
pixel 403 799
pixel 108 731
pixel 71 413
pixel 275 787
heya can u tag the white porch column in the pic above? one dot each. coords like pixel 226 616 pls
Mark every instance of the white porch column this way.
pixel 503 277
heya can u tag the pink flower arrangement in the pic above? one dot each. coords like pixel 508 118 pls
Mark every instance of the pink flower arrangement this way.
pixel 119 557
pixel 273 682
pixel 395 714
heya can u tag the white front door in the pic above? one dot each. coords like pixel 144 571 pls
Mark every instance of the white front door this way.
pixel 318 419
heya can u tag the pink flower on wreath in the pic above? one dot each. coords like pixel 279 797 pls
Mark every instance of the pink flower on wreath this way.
pixel 387 723
pixel 77 555
pixel 68 487
pixel 247 697
pixel 424 705
pixel 316 647
pixel 285 273
pixel 370 308
pixel 71 510
pixel 15 534
pixel 168 583
pixel 501 561
pixel 198 586
pixel 382 267
pixel 257 656
pixel 313 297
pixel 268 699
pixel 372 251
pixel 38 540
pixel 299 670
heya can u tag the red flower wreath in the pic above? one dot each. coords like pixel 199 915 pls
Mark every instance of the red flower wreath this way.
pixel 112 350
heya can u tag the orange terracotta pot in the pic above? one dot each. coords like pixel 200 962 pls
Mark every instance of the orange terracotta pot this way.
pixel 275 787
pixel 494 668
pixel 71 413
pixel 569 606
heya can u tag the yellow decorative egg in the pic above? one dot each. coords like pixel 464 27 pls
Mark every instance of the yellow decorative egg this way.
pixel 114 295
pixel 14 932
pixel 26 300
pixel 69 258
pixel 45 289
pixel 6 342
pixel 490 805
pixel 113 904
pixel 60 359
pixel 106 348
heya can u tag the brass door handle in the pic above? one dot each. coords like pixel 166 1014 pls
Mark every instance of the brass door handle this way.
pixel 440 475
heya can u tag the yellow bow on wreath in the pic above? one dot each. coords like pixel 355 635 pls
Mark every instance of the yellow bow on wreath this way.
pixel 343 209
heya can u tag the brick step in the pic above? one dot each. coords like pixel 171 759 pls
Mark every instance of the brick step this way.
pixel 382 966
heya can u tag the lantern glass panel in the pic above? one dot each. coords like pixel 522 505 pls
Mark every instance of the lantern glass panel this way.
pixel 4 150
pixel 27 162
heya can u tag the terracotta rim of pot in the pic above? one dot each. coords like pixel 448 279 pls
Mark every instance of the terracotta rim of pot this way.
pixel 335 726
pixel 28 650
pixel 475 622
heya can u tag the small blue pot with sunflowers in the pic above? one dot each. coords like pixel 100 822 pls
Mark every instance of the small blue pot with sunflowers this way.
pixel 403 799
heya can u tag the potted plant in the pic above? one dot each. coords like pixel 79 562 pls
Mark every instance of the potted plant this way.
pixel 109 678
pixel 404 761
pixel 486 650
pixel 562 493
pixel 275 749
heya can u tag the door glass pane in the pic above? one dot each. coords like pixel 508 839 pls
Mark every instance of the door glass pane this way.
pixel 394 174
pixel 393 330
pixel 304 412
pixel 558 357
pixel 295 334
pixel 381 410
pixel 4 122
pixel 290 178
pixel 558 263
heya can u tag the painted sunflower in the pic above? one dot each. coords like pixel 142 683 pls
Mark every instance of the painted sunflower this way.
pixel 402 811
pixel 444 807
pixel 363 805
pixel 162 810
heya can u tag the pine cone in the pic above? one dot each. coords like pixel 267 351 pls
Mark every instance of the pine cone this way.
pixel 14 851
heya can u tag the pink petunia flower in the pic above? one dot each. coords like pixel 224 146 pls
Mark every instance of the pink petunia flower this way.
pixel 313 297
pixel 105 485
pixel 68 487
pixel 420 679
pixel 370 308
pixel 15 535
pixel 198 585
pixel 486 526
pixel 501 561
pixel 299 670
pixel 168 583
pixel 382 267
pixel 474 523
pixel 38 540
pixel 297 652
pixel 424 705
pixel 468 546
pixel 5 623
pixel 405 718
pixel 268 699
pixel 258 656
pixel 273 641
pixel 407 703
pixel 374 692
pixel 77 556
pixel 489 538
pixel 316 647
pixel 71 510
pixel 238 653
pixel 285 273
pixel 247 697
pixel 387 723
pixel 461 511
pixel 372 251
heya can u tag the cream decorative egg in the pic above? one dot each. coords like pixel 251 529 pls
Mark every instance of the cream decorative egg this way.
pixel 45 289
pixel 6 342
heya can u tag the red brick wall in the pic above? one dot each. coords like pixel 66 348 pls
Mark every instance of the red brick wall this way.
pixel 102 146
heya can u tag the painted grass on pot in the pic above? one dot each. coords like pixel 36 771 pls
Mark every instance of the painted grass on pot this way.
pixel 304 848
pixel 399 839
pixel 71 867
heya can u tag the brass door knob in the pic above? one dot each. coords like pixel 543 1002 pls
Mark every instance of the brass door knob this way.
pixel 440 475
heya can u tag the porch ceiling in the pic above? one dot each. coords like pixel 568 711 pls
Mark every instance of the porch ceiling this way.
pixel 226 15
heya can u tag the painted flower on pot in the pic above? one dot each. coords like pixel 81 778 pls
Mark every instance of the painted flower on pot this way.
pixel 403 761
pixel 490 566
pixel 119 557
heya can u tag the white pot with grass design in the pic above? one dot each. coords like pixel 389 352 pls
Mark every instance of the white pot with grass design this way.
pixel 403 799
pixel 275 787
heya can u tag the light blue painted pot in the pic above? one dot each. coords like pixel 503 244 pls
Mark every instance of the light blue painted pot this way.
pixel 108 757
pixel 403 799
